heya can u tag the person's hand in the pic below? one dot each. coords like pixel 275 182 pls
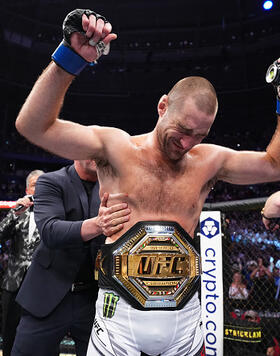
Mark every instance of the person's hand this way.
pixel 25 202
pixel 111 219
pixel 96 30
pixel 271 224
pixel 266 223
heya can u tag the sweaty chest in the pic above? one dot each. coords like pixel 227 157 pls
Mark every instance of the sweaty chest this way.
pixel 162 190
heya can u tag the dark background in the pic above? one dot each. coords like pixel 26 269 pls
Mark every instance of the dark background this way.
pixel 231 43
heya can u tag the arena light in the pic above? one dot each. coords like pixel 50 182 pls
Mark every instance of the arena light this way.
pixel 268 4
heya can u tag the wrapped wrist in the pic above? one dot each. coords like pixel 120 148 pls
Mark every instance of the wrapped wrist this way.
pixel 69 60
pixel 277 105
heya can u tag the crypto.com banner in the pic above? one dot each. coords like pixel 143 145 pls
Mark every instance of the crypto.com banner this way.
pixel 212 282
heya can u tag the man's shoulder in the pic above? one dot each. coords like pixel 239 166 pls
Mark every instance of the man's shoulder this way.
pixel 210 155
pixel 59 175
pixel 111 134
pixel 210 148
pixel 107 129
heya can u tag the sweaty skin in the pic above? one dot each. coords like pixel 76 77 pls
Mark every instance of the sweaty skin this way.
pixel 159 189
pixel 167 173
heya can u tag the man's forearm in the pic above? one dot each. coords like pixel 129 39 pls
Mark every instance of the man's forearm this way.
pixel 273 148
pixel 90 229
pixel 43 104
pixel 253 274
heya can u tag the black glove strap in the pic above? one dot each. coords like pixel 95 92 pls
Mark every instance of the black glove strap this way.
pixel 273 77
pixel 73 22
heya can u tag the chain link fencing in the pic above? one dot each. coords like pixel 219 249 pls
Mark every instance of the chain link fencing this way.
pixel 251 279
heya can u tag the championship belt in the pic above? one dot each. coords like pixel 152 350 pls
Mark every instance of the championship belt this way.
pixel 154 265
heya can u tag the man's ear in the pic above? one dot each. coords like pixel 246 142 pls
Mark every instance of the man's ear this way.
pixel 162 105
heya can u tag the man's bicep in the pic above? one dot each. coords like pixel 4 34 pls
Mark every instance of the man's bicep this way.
pixel 248 167
pixel 72 141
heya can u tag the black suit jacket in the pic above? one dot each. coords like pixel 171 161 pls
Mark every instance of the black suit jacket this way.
pixel 61 205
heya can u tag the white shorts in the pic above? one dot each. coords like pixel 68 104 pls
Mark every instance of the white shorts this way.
pixel 119 329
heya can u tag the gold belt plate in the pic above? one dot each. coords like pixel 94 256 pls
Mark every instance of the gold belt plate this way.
pixel 157 264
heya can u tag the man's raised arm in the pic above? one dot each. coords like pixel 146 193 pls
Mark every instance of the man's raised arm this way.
pixel 87 36
pixel 249 167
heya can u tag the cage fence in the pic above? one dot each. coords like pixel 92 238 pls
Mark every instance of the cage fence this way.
pixel 251 280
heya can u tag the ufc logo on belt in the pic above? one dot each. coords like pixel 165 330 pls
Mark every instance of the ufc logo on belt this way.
pixel 162 265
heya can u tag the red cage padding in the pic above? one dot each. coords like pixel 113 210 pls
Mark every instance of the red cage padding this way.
pixel 7 204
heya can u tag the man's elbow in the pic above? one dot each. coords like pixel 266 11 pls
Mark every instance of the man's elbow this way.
pixel 27 130
pixel 20 126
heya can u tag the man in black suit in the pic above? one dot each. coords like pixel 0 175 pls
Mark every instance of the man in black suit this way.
pixel 18 226
pixel 59 292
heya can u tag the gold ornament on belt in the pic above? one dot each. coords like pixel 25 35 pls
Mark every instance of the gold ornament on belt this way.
pixel 156 264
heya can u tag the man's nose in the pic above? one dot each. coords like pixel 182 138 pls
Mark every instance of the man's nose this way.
pixel 185 142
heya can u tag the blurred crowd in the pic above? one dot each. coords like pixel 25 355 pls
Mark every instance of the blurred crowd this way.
pixel 254 258
pixel 252 281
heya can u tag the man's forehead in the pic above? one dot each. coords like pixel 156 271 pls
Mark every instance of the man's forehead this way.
pixel 190 104
pixel 190 129
pixel 193 125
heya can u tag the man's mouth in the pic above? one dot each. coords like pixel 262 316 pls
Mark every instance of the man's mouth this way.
pixel 177 144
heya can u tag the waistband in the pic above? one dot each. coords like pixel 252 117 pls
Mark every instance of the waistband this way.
pixel 154 266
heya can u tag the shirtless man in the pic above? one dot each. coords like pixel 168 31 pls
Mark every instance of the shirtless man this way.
pixel 167 175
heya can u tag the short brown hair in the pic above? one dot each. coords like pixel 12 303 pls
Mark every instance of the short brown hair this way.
pixel 198 88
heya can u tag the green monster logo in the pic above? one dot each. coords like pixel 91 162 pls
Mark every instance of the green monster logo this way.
pixel 110 304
